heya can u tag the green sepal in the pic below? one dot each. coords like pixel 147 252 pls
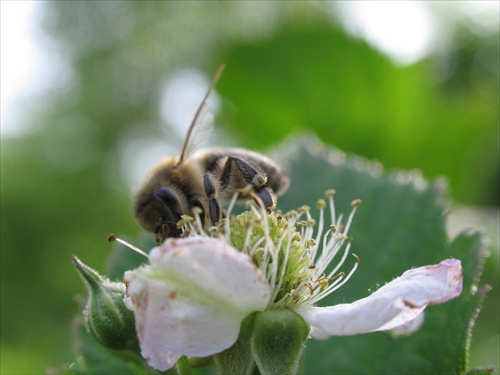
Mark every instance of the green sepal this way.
pixel 200 361
pixel 278 341
pixel 105 316
pixel 183 366
pixel 238 359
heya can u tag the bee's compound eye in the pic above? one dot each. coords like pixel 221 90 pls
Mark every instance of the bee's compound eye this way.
pixel 168 197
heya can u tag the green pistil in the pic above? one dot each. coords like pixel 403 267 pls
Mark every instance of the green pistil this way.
pixel 248 234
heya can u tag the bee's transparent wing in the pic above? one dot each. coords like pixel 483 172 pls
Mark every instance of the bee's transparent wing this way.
pixel 200 132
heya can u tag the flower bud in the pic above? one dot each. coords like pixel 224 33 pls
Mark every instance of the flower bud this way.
pixel 105 315
pixel 278 341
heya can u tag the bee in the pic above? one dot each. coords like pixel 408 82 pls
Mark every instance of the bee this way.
pixel 203 180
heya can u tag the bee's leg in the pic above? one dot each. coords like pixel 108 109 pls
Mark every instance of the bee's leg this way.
pixel 250 174
pixel 213 205
pixel 266 197
pixel 254 179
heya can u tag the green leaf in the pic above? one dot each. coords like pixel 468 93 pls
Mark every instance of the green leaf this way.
pixel 399 225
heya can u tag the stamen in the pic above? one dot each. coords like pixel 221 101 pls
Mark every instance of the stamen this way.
pixel 196 212
pixel 112 238
pixel 231 204
pixel 310 288
pixel 334 287
pixel 323 282
pixel 283 269
pixel 321 207
pixel 184 220
pixel 344 256
pixel 286 248
pixel 321 203
pixel 354 204
pixel 304 209
pixel 329 194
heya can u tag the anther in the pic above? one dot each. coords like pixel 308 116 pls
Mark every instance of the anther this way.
pixel 196 210
pixel 310 242
pixel 356 203
pixel 323 283
pixel 184 220
pixel 311 223
pixel 321 203
pixel 304 209
pixel 330 193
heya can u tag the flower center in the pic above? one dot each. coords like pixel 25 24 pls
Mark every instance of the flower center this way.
pixel 293 250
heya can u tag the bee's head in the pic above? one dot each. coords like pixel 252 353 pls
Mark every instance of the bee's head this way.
pixel 159 212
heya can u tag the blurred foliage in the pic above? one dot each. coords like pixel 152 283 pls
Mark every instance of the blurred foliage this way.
pixel 290 67
pixel 355 98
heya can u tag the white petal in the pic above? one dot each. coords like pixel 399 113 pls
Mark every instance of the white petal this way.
pixel 192 298
pixel 396 303
pixel 409 327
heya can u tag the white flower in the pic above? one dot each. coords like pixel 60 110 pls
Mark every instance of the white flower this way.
pixel 192 297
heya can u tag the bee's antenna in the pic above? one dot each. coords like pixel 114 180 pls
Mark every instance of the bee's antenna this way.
pixel 217 75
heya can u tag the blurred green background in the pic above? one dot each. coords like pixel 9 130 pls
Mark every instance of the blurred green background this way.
pixel 118 82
